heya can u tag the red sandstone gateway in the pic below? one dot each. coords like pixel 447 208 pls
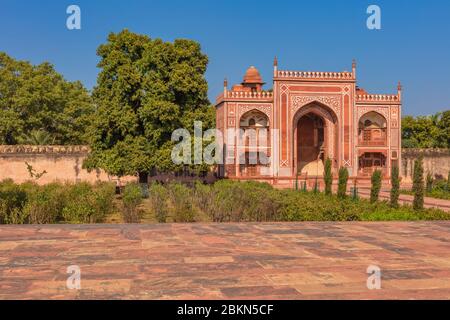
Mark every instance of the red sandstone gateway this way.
pixel 317 115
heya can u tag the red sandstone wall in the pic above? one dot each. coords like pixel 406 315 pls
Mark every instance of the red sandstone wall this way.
pixel 61 163
pixel 435 161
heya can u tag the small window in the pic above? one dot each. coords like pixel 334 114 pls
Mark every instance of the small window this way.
pixel 367 123
pixel 251 122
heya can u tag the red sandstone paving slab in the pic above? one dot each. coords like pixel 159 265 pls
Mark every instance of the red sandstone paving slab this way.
pixel 220 261
pixel 260 292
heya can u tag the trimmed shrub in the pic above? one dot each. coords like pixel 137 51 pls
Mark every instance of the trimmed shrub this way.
pixel 45 203
pixel 342 184
pixel 244 201
pixel 376 186
pixel 328 177
pixel 158 196
pixel 224 201
pixel 132 198
pixel 316 207
pixel 78 207
pixel 181 203
pixel 104 195
pixel 418 185
pixel 87 204
pixel 13 198
pixel 204 198
pixel 395 187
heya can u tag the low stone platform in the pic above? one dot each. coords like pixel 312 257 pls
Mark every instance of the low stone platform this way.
pixel 227 261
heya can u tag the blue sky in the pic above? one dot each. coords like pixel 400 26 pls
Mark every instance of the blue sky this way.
pixel 413 45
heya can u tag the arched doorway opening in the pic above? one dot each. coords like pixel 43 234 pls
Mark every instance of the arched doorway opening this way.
pixel 316 138
pixel 254 145
pixel 310 141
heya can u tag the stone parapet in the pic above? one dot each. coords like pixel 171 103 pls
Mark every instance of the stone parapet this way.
pixel 315 75
pixel 29 149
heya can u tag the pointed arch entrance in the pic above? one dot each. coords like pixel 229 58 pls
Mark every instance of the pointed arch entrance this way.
pixel 316 138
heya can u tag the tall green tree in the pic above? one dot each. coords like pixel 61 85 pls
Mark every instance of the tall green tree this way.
pixel 146 89
pixel 426 131
pixel 443 138
pixel 418 184
pixel 35 98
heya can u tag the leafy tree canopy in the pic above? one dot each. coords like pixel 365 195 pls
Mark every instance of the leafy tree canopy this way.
pixel 145 90
pixel 38 99
pixel 427 131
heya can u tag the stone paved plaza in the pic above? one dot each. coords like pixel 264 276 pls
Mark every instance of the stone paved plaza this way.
pixel 227 261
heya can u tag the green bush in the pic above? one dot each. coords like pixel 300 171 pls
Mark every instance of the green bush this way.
pixel 376 186
pixel 45 203
pixel 244 201
pixel 104 194
pixel 132 198
pixel 328 177
pixel 55 202
pixel 316 207
pixel 78 207
pixel 225 201
pixel 85 203
pixel 158 196
pixel 181 201
pixel 13 198
pixel 342 184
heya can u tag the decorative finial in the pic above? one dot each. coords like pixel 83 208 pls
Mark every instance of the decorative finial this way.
pixel 354 64
pixel 225 83
pixel 275 62
pixel 399 86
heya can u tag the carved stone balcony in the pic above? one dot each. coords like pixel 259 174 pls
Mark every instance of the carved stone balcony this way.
pixel 372 137
pixel 249 94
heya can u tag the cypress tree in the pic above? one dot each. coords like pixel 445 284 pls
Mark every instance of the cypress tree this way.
pixel 355 190
pixel 316 186
pixel 448 182
pixel 304 187
pixel 342 184
pixel 418 185
pixel 328 177
pixel 395 187
pixel 376 186
pixel 430 181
